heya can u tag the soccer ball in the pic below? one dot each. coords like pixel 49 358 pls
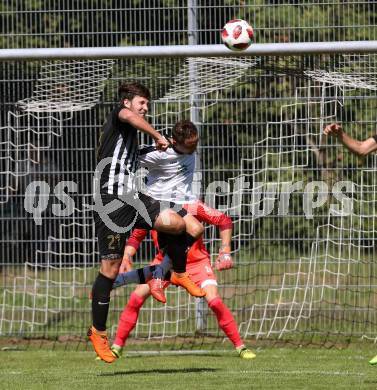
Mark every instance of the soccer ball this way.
pixel 237 35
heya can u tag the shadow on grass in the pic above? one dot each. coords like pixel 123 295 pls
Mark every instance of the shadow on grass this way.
pixel 160 371
pixel 196 355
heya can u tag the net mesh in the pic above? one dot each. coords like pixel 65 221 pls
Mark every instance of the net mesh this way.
pixel 62 88
pixel 301 273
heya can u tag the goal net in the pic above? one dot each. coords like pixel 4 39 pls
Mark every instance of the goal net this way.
pixel 303 208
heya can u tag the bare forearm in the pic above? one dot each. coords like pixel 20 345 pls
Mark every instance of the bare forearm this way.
pixel 226 238
pixel 142 125
pixel 138 122
pixel 361 148
pixel 126 264
pixel 224 259
pixel 351 144
pixel 129 250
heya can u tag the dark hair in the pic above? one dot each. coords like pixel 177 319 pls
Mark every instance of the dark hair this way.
pixel 183 130
pixel 130 90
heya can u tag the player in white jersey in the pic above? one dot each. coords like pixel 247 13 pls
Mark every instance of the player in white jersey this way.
pixel 171 172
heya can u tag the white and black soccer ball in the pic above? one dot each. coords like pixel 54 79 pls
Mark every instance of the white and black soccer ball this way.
pixel 237 35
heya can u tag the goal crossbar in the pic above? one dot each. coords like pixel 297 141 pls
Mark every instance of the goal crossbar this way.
pixel 264 49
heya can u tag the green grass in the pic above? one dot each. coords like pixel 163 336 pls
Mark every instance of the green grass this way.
pixel 274 368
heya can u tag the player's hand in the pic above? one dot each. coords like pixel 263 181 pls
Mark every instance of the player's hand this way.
pixel 162 143
pixel 126 264
pixel 333 129
pixel 224 260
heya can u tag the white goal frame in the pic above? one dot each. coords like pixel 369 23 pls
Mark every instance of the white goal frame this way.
pixel 265 49
pixel 280 49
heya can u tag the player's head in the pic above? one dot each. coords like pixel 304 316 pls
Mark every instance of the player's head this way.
pixel 185 137
pixel 135 96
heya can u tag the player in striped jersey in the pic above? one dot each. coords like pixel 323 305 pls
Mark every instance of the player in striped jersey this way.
pixel 119 206
pixel 170 177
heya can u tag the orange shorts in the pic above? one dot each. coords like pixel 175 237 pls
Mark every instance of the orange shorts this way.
pixel 201 273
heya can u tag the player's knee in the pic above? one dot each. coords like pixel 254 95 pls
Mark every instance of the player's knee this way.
pixel 197 230
pixel 181 225
pixel 170 222
pixel 178 224
pixel 193 226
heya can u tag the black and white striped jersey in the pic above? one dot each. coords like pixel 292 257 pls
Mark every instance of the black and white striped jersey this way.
pixel 119 144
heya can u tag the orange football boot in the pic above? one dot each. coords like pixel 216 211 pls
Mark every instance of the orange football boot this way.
pixel 185 282
pixel 101 344
pixel 157 290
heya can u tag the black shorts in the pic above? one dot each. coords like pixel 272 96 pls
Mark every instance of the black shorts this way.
pixel 113 228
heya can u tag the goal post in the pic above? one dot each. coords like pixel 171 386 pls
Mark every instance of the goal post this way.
pixel 261 49
pixel 303 208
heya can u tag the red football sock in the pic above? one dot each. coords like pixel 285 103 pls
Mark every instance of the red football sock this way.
pixel 128 319
pixel 226 320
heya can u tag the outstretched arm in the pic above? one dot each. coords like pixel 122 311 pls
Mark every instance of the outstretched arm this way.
pixel 360 148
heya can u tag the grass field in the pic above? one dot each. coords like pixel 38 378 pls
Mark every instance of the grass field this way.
pixel 274 368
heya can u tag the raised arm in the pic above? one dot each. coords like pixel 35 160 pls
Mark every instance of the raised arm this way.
pixel 360 148
pixel 137 121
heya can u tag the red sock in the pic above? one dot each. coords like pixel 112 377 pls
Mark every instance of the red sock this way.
pixel 128 319
pixel 226 320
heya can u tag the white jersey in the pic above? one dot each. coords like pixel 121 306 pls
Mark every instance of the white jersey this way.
pixel 170 175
